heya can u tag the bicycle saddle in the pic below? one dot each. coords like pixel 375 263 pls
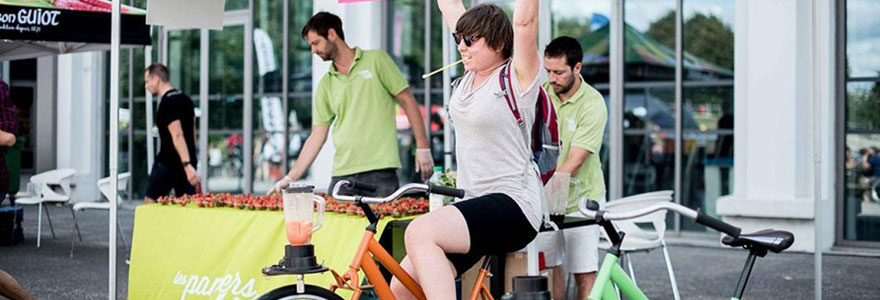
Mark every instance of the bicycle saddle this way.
pixel 773 240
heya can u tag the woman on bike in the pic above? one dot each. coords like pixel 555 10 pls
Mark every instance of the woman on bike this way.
pixel 503 207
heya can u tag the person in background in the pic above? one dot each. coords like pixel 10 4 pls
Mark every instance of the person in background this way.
pixel 175 164
pixel 8 129
pixel 581 112
pixel 357 96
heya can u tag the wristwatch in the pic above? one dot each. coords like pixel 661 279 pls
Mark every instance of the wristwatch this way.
pixel 186 163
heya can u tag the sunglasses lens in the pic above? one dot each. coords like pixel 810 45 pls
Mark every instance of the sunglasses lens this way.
pixel 467 39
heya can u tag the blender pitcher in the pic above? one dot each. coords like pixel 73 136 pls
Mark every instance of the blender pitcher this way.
pixel 557 192
pixel 299 213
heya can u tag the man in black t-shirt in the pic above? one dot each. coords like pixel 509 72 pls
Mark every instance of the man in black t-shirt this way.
pixel 175 165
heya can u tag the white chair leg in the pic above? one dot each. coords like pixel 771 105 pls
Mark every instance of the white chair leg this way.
pixel 39 222
pixel 121 234
pixel 72 236
pixel 49 218
pixel 629 264
pixel 671 274
pixel 76 225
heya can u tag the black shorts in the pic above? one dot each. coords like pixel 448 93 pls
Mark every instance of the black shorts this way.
pixel 163 178
pixel 496 226
pixel 384 179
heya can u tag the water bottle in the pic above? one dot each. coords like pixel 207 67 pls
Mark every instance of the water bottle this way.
pixel 435 201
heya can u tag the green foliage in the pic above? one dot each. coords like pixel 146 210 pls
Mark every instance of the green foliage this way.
pixel 578 28
pixel 704 36
pixel 863 108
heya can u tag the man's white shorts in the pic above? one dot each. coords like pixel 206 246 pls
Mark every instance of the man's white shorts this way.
pixel 578 247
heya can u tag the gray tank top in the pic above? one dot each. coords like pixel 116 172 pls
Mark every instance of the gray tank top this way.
pixel 490 148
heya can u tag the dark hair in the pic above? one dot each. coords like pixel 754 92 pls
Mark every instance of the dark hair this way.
pixel 565 46
pixel 321 23
pixel 490 22
pixel 158 70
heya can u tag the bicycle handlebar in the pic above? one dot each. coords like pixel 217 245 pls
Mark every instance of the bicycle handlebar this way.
pixel 363 186
pixel 591 209
pixel 458 193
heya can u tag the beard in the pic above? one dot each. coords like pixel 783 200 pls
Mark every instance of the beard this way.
pixel 328 54
pixel 562 88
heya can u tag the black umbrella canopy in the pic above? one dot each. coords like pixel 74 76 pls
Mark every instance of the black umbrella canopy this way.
pixel 33 28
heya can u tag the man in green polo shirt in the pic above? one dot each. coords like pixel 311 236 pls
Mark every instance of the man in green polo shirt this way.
pixel 582 115
pixel 357 96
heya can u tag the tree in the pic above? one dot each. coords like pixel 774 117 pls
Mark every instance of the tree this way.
pixel 863 108
pixel 704 36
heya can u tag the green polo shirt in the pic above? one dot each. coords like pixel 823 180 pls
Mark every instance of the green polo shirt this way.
pixel 362 109
pixel 582 124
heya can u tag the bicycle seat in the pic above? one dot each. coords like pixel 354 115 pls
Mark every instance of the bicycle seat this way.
pixel 773 240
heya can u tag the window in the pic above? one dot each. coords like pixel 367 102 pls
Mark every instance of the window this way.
pixel 707 105
pixel 706 111
pixel 406 46
pixel 861 160
pixel 589 23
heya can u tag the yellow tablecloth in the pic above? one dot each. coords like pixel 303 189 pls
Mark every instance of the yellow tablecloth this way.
pixel 217 253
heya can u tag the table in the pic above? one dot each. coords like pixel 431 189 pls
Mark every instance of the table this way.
pixel 217 253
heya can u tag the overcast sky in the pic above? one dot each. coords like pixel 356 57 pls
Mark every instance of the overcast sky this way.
pixel 863 37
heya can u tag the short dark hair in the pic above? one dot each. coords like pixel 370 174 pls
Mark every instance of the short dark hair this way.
pixel 321 23
pixel 158 70
pixel 565 46
pixel 488 21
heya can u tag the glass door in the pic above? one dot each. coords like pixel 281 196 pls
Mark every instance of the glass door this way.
pixel 226 103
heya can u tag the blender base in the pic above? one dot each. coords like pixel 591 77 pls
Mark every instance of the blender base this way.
pixel 296 260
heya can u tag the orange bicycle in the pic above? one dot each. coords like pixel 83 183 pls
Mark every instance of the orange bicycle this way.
pixel 300 260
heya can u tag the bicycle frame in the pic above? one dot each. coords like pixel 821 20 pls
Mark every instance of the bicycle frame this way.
pixel 363 260
pixel 368 249
pixel 611 274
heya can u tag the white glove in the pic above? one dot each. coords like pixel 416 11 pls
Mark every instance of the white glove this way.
pixel 280 186
pixel 556 191
pixel 424 163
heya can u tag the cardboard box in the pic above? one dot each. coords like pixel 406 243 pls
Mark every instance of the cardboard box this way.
pixel 516 264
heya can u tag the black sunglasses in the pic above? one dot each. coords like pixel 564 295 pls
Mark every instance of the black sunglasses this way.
pixel 468 39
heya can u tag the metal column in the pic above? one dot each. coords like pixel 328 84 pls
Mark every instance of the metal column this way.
pixel 615 118
pixel 678 102
pixel 114 145
pixel 203 106
pixel 129 185
pixel 151 149
pixel 427 119
pixel 285 94
pixel 247 145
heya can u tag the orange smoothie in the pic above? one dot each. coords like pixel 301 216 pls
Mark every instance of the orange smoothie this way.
pixel 298 232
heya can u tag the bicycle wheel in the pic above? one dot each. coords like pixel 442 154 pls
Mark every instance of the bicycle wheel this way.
pixel 288 292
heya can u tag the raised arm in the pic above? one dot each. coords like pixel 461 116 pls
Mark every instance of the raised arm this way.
pixel 451 10
pixel 525 41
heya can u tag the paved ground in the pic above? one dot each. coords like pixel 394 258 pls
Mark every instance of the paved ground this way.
pixel 702 272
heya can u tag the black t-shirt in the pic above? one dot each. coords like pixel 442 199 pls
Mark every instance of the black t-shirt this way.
pixel 175 106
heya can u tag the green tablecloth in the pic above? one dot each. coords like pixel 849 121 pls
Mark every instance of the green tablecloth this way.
pixel 217 253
